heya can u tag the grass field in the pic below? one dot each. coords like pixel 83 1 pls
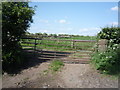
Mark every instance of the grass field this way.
pixel 58 44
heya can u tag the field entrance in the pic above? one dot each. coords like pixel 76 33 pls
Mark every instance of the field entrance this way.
pixel 66 50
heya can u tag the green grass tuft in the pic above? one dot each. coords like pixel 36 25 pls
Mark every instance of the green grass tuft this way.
pixel 56 65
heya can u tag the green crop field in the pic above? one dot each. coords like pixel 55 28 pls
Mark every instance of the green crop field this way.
pixel 60 44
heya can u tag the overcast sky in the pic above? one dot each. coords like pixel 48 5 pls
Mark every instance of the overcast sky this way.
pixel 80 18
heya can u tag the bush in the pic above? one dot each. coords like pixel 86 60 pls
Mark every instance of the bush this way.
pixel 16 19
pixel 109 61
pixel 13 60
pixel 112 34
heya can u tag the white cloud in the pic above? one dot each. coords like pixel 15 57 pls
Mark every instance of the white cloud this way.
pixel 37 29
pixel 114 23
pixel 62 21
pixel 45 31
pixel 89 31
pixel 114 8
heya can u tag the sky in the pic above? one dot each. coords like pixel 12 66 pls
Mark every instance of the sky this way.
pixel 76 18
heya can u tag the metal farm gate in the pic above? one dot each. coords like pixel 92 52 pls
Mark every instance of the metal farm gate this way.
pixel 68 51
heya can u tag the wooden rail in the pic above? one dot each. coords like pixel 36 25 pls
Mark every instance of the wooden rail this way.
pixel 71 45
pixel 71 40
pixel 62 40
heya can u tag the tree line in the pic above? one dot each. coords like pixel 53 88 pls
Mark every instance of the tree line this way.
pixel 39 35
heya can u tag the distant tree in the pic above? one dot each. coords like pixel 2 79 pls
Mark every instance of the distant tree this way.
pixel 45 34
pixel 55 35
pixel 32 35
pixel 50 35
pixel 38 35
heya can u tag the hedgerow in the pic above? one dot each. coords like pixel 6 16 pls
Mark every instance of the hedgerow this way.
pixel 109 60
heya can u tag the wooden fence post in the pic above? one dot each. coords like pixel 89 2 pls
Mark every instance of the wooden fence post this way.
pixel 102 45
pixel 72 44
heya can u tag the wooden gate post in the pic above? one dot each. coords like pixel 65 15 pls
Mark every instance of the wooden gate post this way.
pixel 102 45
pixel 72 44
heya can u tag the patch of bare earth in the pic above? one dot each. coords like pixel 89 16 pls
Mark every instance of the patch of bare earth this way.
pixel 34 77
pixel 71 76
pixel 84 76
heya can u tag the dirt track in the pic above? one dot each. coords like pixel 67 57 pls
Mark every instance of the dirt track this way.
pixel 71 76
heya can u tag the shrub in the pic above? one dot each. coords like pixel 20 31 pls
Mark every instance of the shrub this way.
pixel 16 19
pixel 109 61
pixel 112 34
pixel 13 60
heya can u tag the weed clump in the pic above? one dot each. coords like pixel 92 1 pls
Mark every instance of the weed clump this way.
pixel 56 65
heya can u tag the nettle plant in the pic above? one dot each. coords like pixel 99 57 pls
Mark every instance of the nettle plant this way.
pixel 109 60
